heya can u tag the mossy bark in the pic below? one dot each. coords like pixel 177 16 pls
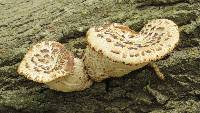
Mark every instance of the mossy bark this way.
pixel 26 22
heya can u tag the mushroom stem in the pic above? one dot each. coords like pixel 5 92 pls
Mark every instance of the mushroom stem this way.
pixel 157 71
pixel 100 67
pixel 76 81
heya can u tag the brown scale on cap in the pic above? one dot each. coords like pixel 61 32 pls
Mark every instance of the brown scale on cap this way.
pixel 148 51
pixel 130 48
pixel 115 51
pixel 108 40
pixel 44 61
pixel 151 42
pixel 118 44
pixel 44 51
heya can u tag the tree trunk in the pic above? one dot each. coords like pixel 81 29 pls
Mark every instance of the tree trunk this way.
pixel 26 22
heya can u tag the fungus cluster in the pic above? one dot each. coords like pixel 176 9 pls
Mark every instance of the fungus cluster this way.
pixel 113 50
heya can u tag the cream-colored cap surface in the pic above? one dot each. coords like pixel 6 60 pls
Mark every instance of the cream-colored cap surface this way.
pixel 121 44
pixel 46 61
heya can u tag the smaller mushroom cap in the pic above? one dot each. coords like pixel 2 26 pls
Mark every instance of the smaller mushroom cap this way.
pixel 121 44
pixel 46 61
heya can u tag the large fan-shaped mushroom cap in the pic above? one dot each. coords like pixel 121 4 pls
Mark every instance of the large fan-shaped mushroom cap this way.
pixel 121 44
pixel 47 61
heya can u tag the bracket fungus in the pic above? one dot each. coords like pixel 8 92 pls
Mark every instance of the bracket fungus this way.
pixel 48 62
pixel 114 49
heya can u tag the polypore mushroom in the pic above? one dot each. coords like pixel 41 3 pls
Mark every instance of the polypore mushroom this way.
pixel 114 49
pixel 48 62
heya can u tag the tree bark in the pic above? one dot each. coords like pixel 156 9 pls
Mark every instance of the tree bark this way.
pixel 26 22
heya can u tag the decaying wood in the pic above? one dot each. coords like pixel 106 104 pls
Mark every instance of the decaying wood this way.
pixel 26 22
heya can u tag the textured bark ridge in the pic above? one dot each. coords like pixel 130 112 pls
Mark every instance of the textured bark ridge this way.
pixel 26 22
